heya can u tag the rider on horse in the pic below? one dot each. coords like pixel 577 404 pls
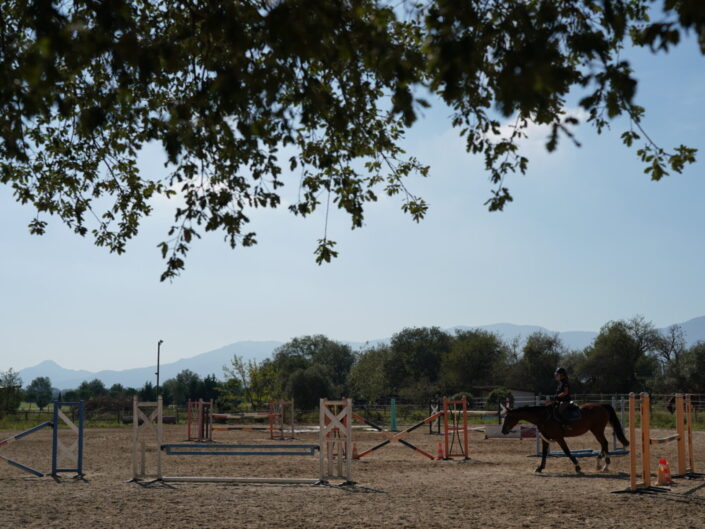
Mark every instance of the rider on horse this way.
pixel 562 397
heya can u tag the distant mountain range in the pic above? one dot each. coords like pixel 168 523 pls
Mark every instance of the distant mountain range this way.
pixel 212 362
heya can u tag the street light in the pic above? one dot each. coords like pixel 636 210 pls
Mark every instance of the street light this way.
pixel 159 346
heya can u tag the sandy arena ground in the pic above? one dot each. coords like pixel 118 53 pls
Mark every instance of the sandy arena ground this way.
pixel 395 488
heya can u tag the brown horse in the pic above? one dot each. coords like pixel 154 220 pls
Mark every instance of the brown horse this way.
pixel 594 418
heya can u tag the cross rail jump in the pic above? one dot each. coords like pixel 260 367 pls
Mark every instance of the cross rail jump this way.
pixel 455 428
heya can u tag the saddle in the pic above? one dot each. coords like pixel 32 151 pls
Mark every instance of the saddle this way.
pixel 570 413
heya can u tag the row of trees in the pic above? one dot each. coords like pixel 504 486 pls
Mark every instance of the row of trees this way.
pixel 186 385
pixel 418 363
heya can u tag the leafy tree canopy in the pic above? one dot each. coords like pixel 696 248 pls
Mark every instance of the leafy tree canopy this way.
pixel 416 354
pixel 39 391
pixel 333 358
pixel 367 377
pixel 476 358
pixel 236 92
pixel 541 355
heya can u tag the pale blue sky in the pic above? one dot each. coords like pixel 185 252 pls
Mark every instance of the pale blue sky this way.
pixel 589 238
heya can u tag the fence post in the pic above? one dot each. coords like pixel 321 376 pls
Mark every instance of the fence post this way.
pixel 393 415
pixel 646 438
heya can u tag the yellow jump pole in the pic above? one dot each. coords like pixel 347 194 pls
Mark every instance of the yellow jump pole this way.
pixel 680 430
pixel 646 439
pixel 632 442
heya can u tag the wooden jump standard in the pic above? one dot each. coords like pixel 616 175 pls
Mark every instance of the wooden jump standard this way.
pixel 335 448
pixel 684 420
pixel 199 421
pixel 59 451
pixel 200 417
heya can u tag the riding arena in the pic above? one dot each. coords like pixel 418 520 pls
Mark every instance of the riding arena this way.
pixel 453 468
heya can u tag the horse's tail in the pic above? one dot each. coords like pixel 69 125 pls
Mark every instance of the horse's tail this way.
pixel 616 425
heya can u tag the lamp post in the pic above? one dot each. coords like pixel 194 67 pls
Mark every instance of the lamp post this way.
pixel 159 346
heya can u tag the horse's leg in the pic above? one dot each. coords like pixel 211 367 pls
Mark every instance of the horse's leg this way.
pixel 561 442
pixel 605 449
pixel 544 453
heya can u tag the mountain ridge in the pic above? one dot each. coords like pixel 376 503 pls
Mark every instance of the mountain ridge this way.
pixel 212 362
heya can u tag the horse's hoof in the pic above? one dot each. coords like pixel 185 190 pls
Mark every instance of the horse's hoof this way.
pixel 577 469
pixel 538 470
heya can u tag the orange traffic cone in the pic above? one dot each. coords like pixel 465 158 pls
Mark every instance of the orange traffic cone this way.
pixel 664 472
pixel 440 452
pixel 355 456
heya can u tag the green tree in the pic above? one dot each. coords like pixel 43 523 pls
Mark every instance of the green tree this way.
pixel 147 393
pixel 209 388
pixel 117 391
pixel 672 353
pixel 333 358
pixel 10 391
pixel 573 362
pixel 224 86
pixel 499 396
pixel 230 393
pixel 172 392
pixel 307 386
pixel 366 380
pixel 541 356
pixel 94 388
pixel 39 391
pixel 190 386
pixel 71 395
pixel 415 360
pixel 619 359
pixel 258 379
pixel 476 357
pixel 695 366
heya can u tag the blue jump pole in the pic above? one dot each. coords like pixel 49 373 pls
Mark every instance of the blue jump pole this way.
pixel 23 467
pixel 239 450
pixel 20 436
pixel 25 433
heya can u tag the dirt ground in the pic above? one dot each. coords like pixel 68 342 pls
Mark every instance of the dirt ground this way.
pixel 394 488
